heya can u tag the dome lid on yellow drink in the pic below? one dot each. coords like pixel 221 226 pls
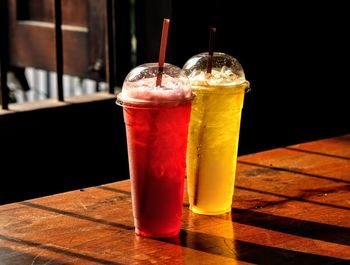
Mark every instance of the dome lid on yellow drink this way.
pixel 225 70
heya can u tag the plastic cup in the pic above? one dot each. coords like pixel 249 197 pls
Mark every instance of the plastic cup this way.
pixel 156 120
pixel 214 131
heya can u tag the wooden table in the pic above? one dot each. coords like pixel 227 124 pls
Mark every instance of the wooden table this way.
pixel 291 206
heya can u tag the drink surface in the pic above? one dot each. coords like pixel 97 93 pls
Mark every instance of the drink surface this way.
pixel 157 139
pixel 212 147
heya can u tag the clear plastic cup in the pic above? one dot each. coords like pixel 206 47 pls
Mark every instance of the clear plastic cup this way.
pixel 214 131
pixel 156 120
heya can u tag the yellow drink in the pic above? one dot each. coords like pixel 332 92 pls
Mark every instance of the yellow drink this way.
pixel 212 148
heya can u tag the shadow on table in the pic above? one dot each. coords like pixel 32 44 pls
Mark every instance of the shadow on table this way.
pixel 293 226
pixel 247 251
pixel 10 256
pixel 316 153
pixel 54 249
pixel 300 198
pixel 292 171
pixel 76 215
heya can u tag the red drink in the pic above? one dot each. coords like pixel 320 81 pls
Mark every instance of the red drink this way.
pixel 157 138
pixel 156 120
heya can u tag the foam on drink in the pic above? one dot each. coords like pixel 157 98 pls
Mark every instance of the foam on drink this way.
pixel 140 88
pixel 230 72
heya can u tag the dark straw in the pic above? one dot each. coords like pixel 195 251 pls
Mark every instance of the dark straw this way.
pixel 211 49
pixel 201 130
pixel 162 51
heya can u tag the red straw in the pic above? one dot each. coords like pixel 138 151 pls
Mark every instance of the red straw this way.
pixel 211 49
pixel 162 51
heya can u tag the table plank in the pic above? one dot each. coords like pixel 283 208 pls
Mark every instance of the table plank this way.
pixel 291 206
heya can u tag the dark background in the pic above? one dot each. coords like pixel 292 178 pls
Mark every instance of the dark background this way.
pixel 295 55
pixel 47 151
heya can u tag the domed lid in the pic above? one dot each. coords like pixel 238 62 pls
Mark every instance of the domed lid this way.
pixel 225 70
pixel 140 89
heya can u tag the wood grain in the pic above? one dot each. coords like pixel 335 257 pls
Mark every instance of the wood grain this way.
pixel 291 206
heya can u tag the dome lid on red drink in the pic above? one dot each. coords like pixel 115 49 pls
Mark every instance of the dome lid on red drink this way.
pixel 140 89
pixel 225 70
